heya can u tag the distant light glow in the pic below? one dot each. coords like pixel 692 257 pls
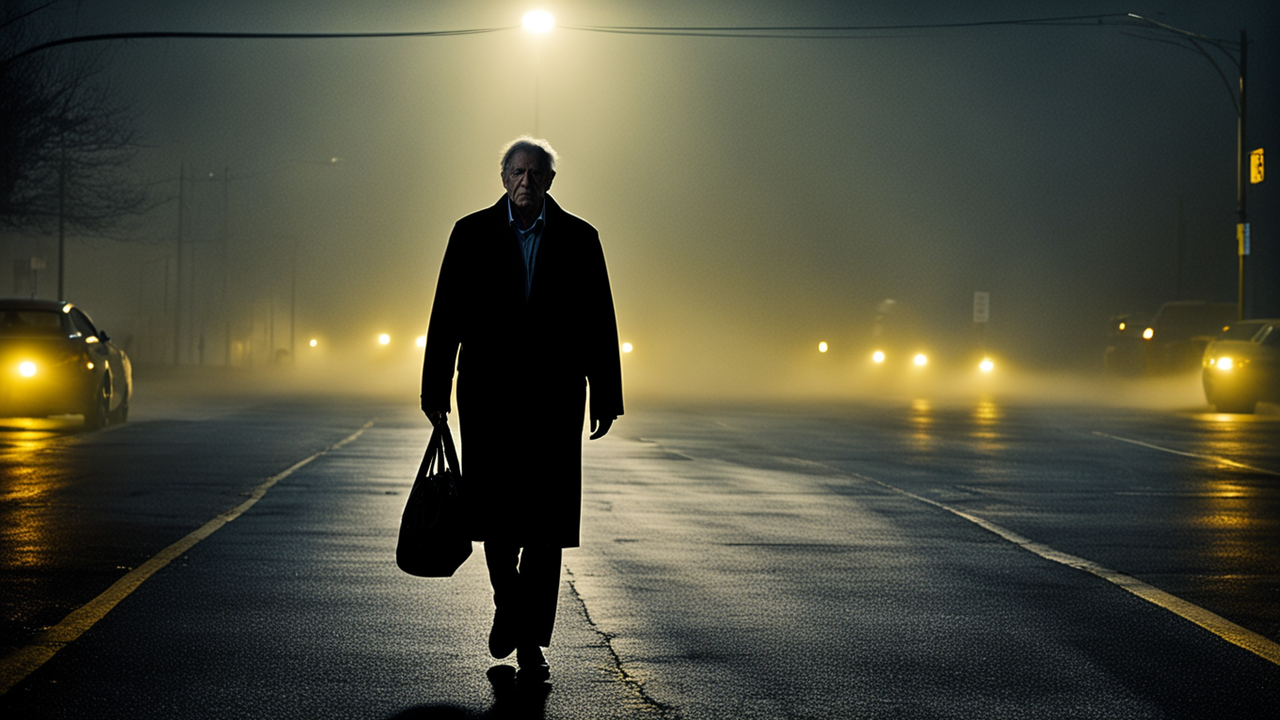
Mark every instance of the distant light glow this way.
pixel 421 341
pixel 313 342
pixel 626 347
pixel 877 356
pixel 1122 327
pixel 822 347
pixel 538 21
pixel 89 365
pixel 27 369
pixel 384 339
pixel 1148 334
pixel 921 360
pixel 986 365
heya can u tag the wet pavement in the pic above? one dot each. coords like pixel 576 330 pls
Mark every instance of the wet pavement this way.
pixel 776 562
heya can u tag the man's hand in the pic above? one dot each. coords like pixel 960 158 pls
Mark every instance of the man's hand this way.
pixel 437 416
pixel 600 426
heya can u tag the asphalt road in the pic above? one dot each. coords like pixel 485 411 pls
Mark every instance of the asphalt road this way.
pixel 882 560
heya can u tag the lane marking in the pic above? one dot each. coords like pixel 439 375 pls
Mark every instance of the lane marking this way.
pixel 1213 458
pixel 1236 635
pixel 17 665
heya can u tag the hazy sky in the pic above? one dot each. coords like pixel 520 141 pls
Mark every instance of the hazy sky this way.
pixel 754 196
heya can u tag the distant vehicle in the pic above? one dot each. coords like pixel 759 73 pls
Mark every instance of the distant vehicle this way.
pixel 1179 333
pixel 1242 366
pixel 1125 353
pixel 55 361
pixel 897 339
pixel 902 346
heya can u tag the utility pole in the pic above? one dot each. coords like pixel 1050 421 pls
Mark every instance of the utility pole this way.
pixel 177 303
pixel 226 261
pixel 1242 183
pixel 62 223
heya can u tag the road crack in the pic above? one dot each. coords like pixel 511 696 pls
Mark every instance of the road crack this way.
pixel 649 706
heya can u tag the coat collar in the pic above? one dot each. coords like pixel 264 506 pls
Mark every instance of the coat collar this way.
pixel 552 208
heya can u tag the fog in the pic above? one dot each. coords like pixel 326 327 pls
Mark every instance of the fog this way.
pixel 755 196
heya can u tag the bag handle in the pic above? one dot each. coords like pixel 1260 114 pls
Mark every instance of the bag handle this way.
pixel 446 441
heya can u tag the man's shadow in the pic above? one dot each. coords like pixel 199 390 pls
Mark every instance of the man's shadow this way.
pixel 513 699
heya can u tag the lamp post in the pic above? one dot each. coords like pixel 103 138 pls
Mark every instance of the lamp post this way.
pixel 538 22
pixel 1238 54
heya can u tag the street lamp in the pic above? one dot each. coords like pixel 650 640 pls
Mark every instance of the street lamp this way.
pixel 1238 54
pixel 538 22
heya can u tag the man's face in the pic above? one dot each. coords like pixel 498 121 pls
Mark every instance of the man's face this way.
pixel 527 182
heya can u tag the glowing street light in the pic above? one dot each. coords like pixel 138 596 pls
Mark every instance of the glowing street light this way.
pixel 27 369
pixel 986 365
pixel 626 347
pixel 384 339
pixel 877 356
pixel 421 341
pixel 822 347
pixel 538 21
pixel 313 342
pixel 921 360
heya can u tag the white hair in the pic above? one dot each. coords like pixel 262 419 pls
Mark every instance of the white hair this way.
pixel 536 146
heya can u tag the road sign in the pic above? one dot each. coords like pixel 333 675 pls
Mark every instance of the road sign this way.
pixel 981 306
pixel 1255 167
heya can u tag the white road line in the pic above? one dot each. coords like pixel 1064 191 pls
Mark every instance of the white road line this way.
pixel 20 663
pixel 1213 458
pixel 1216 624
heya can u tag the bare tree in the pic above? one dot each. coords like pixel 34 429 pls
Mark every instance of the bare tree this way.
pixel 67 140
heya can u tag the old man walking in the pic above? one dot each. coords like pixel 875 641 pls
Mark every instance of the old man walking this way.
pixel 524 308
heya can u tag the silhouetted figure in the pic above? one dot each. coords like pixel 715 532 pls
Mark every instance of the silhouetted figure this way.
pixel 524 307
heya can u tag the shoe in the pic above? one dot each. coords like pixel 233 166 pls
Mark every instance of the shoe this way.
pixel 533 664
pixel 502 640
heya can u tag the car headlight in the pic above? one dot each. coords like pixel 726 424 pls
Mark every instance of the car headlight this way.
pixel 26 368
pixel 1225 364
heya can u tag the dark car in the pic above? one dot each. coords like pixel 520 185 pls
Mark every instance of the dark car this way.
pixel 1179 333
pixel 55 361
pixel 1126 352
pixel 1242 366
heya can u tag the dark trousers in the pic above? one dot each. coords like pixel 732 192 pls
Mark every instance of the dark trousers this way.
pixel 526 586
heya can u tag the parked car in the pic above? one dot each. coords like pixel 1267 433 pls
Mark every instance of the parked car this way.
pixel 55 361
pixel 1242 366
pixel 1179 333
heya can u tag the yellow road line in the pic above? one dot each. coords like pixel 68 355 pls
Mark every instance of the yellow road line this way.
pixel 1213 458
pixel 1216 624
pixel 22 662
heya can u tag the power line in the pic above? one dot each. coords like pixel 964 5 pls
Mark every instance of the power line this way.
pixel 844 32
pixel 77 39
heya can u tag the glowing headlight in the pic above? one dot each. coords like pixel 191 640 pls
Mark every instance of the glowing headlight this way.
pixel 1225 363
pixel 986 365
pixel 384 339
pixel 27 369
pixel 877 357
pixel 921 360
pixel 1148 334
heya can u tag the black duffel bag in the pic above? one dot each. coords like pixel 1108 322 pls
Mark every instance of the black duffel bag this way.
pixel 433 539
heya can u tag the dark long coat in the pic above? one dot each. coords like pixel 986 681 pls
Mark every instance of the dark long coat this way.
pixel 524 368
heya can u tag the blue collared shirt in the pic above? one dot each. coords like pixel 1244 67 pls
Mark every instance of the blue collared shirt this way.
pixel 529 239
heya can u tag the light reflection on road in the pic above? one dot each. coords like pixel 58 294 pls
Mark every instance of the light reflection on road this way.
pixel 30 471
pixel 922 421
